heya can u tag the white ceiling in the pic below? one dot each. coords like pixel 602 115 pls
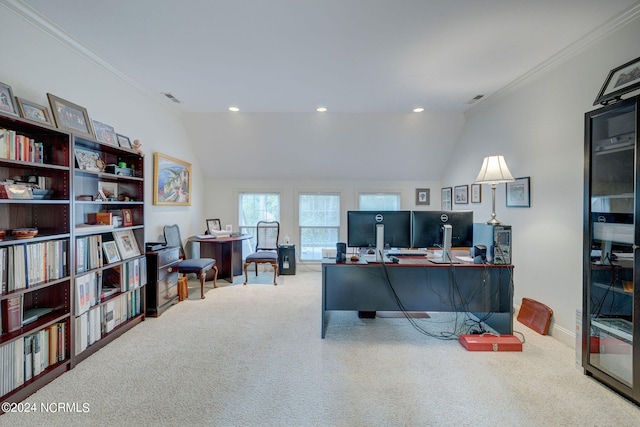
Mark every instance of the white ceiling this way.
pixel 352 56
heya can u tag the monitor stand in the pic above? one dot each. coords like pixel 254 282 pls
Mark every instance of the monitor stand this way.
pixel 447 232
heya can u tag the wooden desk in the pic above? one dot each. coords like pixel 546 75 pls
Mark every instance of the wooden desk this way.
pixel 227 251
pixel 421 286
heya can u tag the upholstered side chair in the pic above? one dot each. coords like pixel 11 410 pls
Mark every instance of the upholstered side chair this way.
pixel 199 266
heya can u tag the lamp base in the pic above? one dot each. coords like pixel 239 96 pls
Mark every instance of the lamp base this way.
pixel 493 221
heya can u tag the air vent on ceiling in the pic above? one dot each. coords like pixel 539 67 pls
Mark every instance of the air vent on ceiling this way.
pixel 171 97
pixel 474 99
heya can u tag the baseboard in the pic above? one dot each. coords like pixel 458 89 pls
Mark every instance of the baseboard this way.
pixel 561 334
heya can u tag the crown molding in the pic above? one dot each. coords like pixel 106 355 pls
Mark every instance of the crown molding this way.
pixel 42 23
pixel 574 48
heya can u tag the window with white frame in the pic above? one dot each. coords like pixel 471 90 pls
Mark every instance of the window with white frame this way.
pixel 319 222
pixel 379 202
pixel 254 207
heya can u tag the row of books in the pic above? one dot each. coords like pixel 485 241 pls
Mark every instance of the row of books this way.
pixel 29 356
pixel 93 324
pixel 94 287
pixel 26 265
pixel 14 146
pixel 88 253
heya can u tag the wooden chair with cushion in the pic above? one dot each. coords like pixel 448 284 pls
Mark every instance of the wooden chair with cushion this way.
pixel 198 266
pixel 267 233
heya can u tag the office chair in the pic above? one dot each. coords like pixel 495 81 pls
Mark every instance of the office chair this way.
pixel 267 233
pixel 199 266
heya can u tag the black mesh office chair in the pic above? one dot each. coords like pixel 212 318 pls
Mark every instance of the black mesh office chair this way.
pixel 199 266
pixel 267 234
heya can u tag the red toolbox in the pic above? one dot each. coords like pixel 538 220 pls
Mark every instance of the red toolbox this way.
pixel 490 342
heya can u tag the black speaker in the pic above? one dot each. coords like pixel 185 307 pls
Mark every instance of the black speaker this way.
pixel 341 252
pixel 479 254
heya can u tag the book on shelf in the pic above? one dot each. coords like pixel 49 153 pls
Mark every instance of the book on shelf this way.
pixel 26 265
pixel 88 253
pixel 11 314
pixel 91 228
pixel 15 146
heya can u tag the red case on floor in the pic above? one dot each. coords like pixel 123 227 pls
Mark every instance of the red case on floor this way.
pixel 489 342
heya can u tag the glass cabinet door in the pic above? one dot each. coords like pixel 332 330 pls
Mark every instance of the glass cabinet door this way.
pixel 611 216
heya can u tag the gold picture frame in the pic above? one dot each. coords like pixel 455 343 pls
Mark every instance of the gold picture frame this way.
pixel 171 181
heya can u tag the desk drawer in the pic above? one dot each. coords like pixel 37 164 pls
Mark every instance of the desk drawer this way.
pixel 168 256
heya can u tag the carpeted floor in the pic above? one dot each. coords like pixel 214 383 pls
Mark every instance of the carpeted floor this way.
pixel 252 356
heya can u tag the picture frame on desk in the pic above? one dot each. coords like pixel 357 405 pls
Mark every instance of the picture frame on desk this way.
pixel 423 196
pixel 519 193
pixel 127 243
pixel 445 198
pixel 34 112
pixel 70 117
pixel 213 225
pixel 171 181
pixel 7 103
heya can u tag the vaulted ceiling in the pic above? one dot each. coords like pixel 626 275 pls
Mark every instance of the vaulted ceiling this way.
pixel 350 56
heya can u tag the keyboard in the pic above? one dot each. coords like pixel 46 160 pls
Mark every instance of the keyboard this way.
pixel 408 252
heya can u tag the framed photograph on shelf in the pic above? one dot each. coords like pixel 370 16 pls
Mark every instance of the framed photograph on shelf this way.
pixel 476 193
pixel 461 194
pixel 518 193
pixel 70 117
pixel 213 225
pixel 7 103
pixel 127 218
pixel 34 112
pixel 124 141
pixel 621 80
pixel 109 189
pixel 105 133
pixel 127 243
pixel 171 181
pixel 111 254
pixel 445 198
pixel 89 160
pixel 423 196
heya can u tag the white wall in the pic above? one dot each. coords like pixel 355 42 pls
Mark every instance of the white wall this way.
pixel 34 62
pixel 222 195
pixel 539 127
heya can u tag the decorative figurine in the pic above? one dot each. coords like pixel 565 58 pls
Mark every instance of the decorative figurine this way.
pixel 136 146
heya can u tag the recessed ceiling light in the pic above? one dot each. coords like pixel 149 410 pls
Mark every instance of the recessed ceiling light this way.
pixel 234 109
pixel 321 109
pixel 418 110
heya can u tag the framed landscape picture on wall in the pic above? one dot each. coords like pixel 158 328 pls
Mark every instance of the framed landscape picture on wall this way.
pixel 171 181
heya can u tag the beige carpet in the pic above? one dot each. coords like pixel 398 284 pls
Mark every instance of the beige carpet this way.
pixel 252 356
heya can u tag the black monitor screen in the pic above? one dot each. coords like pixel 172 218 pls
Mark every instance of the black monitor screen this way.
pixel 361 228
pixel 427 228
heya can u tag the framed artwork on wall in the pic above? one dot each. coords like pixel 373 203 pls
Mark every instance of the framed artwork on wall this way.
pixel 621 80
pixel 171 181
pixel 423 196
pixel 445 198
pixel 518 193
pixel 461 194
pixel 476 193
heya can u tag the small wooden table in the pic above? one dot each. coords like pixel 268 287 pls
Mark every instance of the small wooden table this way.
pixel 227 251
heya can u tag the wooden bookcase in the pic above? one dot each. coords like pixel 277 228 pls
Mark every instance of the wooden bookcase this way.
pixel 35 272
pixel 65 264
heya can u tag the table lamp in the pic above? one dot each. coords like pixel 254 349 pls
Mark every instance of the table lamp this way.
pixel 494 170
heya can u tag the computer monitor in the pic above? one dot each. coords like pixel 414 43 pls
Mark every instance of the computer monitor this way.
pixel 361 228
pixel 427 228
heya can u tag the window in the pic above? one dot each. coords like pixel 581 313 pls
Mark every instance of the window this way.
pixel 254 207
pixel 379 202
pixel 319 221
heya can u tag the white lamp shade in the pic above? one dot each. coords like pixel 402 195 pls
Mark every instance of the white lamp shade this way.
pixel 494 169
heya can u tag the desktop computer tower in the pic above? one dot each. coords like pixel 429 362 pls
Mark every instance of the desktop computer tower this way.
pixel 497 240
